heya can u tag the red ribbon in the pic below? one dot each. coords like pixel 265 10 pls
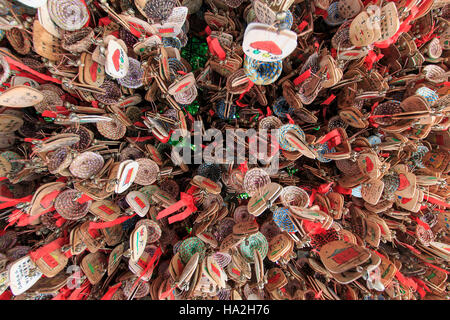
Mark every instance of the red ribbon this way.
pixel 321 12
pixel 31 140
pixel 421 287
pixel 342 190
pixel 312 227
pixel 189 115
pixel 432 200
pixel 153 262
pixel 302 25
pixel 167 293
pixel 333 138
pixel 26 219
pixel 47 249
pixel 437 268
pixel 305 75
pixel 329 100
pixel 318 295
pixel 291 121
pixel 250 85
pixel 108 295
pixel 63 294
pixel 424 39
pixel 109 224
pixel 215 48
pixel 405 280
pixel 141 139
pixel 134 31
pixel 208 30
pixel 82 292
pixel 60 222
pixel 54 114
pixel 7 295
pixel 13 202
pixel 421 223
pixel 408 246
pixel 186 200
pixel 333 53
pixel 28 69
pixel 325 187
pixel 165 140
pixel 371 58
pixel 404 26
pixel 84 198
pixel 243 167
pixel 14 217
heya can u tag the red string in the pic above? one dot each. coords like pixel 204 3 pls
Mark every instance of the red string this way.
pixel 250 85
pixel 165 140
pixel 34 72
pixel 289 118
pixel 437 268
pixel 153 262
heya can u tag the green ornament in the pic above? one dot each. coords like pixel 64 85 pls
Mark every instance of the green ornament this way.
pixel 244 196
pixel 175 142
pixel 196 53
pixel 193 108
pixel 291 171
